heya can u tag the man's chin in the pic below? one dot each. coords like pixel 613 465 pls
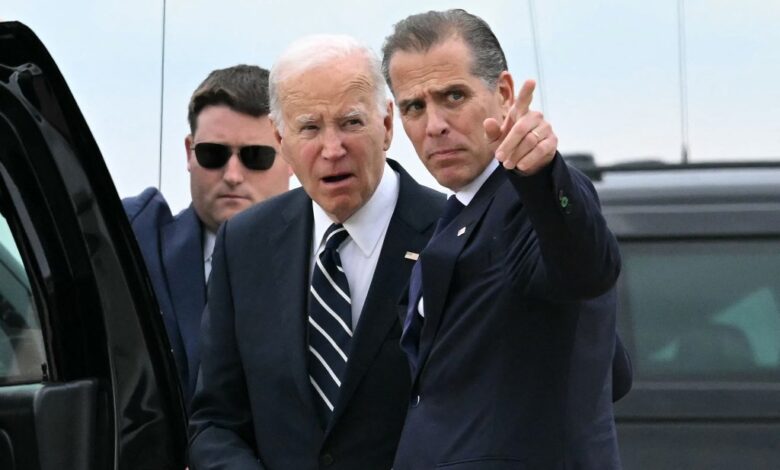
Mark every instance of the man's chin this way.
pixel 228 212
pixel 341 208
pixel 450 178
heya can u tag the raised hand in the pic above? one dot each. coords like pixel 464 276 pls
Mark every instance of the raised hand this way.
pixel 525 141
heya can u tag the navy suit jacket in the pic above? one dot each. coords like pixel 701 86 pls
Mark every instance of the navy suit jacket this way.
pixel 172 248
pixel 254 406
pixel 516 351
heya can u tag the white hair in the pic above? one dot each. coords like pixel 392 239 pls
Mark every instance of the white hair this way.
pixel 311 51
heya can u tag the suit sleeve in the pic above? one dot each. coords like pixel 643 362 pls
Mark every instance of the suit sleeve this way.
pixel 622 371
pixel 580 254
pixel 134 206
pixel 221 432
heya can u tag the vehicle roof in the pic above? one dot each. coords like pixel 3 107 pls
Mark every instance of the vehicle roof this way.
pixel 695 185
pixel 700 201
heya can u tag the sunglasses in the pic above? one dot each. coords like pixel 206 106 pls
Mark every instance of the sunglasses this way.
pixel 214 156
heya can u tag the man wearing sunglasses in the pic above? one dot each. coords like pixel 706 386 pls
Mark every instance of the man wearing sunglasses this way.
pixel 302 367
pixel 233 161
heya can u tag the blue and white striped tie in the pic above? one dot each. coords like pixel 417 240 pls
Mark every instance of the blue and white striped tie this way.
pixel 330 323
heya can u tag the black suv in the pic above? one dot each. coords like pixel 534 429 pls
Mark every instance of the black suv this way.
pixel 86 377
pixel 699 312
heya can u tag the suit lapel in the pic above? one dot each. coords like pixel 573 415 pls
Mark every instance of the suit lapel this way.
pixel 290 292
pixel 439 259
pixel 182 257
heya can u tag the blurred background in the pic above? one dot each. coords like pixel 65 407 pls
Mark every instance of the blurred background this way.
pixel 622 80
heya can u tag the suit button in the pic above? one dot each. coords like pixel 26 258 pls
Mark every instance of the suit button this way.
pixel 415 401
pixel 326 459
pixel 564 202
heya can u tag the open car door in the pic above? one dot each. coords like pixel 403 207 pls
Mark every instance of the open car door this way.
pixel 87 380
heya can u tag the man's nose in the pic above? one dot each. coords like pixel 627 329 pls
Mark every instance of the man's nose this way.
pixel 333 144
pixel 233 172
pixel 436 124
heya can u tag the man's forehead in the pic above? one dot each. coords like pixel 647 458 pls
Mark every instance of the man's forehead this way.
pixel 334 77
pixel 443 65
pixel 317 90
pixel 306 96
pixel 223 122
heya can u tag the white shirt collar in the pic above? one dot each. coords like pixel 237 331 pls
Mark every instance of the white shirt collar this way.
pixel 467 193
pixel 367 225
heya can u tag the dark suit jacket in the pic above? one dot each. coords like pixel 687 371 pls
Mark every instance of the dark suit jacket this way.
pixel 172 248
pixel 517 346
pixel 254 406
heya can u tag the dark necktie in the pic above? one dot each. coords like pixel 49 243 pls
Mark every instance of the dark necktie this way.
pixel 451 210
pixel 330 323
pixel 410 340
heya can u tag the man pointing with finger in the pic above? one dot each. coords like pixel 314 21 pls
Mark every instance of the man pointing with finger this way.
pixel 510 323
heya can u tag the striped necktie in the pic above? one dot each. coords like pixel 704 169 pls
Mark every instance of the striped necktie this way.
pixel 330 323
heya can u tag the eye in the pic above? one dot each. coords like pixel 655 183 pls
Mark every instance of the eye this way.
pixel 455 96
pixel 414 107
pixel 353 122
pixel 309 128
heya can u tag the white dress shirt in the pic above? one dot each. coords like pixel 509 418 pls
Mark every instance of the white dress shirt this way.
pixel 367 228
pixel 467 193
pixel 209 239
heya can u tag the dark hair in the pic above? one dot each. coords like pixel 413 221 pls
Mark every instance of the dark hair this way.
pixel 243 88
pixel 420 32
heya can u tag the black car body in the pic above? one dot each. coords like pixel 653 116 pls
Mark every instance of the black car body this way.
pixel 699 312
pixel 87 380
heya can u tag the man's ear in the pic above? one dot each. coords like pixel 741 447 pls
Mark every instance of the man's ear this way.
pixel 505 90
pixel 188 150
pixel 388 123
pixel 279 150
pixel 277 134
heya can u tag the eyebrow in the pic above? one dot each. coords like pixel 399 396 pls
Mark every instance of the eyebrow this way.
pixel 436 93
pixel 353 113
pixel 406 102
pixel 305 118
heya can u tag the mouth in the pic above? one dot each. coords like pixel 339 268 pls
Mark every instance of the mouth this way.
pixel 331 179
pixel 231 196
pixel 444 153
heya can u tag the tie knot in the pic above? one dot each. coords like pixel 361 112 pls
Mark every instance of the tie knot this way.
pixel 335 236
pixel 451 209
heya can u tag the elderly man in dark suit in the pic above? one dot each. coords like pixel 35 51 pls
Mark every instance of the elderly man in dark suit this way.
pixel 302 367
pixel 228 117
pixel 510 321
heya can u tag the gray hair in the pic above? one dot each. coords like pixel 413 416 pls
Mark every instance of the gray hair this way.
pixel 420 32
pixel 314 50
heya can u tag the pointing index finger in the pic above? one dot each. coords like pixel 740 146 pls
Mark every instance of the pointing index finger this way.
pixel 525 97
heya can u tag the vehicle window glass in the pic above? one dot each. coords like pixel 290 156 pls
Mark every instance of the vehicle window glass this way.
pixel 21 342
pixel 702 310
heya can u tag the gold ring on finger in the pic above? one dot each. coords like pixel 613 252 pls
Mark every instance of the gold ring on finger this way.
pixel 536 134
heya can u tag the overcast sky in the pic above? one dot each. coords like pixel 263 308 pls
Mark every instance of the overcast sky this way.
pixel 610 76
